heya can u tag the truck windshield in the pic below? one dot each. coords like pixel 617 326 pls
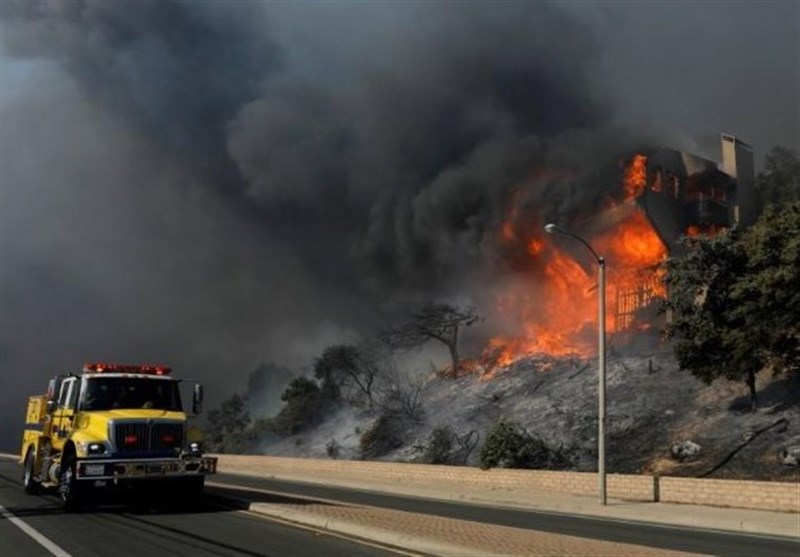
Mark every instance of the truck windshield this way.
pixel 108 393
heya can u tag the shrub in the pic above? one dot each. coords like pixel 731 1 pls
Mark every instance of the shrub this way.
pixel 228 426
pixel 403 396
pixel 439 448
pixel 384 435
pixel 508 445
pixel 304 406
pixel 332 449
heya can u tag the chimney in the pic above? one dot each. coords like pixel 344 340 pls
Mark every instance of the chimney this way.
pixel 737 162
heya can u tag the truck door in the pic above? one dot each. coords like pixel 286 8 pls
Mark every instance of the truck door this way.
pixel 65 411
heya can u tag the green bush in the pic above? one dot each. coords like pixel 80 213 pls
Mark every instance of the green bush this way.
pixel 384 435
pixel 228 427
pixel 304 406
pixel 508 445
pixel 439 448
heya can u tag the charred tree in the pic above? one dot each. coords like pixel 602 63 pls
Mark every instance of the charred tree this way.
pixel 434 321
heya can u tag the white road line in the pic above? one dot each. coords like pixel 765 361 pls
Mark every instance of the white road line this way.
pixel 35 534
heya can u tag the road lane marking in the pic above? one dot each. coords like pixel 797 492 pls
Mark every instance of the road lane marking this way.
pixel 35 534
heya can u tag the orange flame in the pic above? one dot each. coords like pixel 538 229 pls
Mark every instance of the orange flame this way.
pixel 556 312
pixel 635 177
pixel 535 246
pixel 693 231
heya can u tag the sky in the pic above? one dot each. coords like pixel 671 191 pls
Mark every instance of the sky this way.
pixel 215 185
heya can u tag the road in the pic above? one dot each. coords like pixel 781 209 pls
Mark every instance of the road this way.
pixel 664 537
pixel 115 527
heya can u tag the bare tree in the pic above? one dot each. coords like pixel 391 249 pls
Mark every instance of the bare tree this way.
pixel 434 321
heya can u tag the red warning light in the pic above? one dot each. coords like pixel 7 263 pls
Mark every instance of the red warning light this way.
pixel 121 368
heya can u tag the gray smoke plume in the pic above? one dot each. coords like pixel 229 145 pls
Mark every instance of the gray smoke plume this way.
pixel 219 184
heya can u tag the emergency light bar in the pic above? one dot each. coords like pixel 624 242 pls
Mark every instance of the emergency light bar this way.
pixel 120 368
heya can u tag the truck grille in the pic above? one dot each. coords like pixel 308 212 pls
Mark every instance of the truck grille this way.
pixel 137 437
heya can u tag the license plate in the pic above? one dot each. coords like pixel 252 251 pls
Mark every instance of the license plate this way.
pixel 94 469
pixel 163 468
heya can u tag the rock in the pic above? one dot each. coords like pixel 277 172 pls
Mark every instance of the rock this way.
pixel 685 450
pixel 791 456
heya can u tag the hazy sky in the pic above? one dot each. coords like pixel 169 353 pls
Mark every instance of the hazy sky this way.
pixel 217 184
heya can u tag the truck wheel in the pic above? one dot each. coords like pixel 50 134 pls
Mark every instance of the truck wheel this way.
pixel 28 476
pixel 68 485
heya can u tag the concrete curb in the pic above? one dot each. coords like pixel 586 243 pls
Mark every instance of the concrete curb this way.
pixel 375 534
pixel 371 533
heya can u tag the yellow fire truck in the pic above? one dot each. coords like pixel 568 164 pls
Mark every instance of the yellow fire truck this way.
pixel 111 425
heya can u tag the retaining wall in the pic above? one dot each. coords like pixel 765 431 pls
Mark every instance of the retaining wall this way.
pixel 772 496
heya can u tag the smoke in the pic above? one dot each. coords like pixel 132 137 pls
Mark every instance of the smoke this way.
pixel 219 184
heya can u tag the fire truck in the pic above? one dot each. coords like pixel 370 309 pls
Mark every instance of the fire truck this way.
pixel 113 425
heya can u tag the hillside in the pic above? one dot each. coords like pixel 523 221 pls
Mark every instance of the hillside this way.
pixel 652 406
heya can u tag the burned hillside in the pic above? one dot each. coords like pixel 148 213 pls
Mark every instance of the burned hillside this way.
pixel 654 409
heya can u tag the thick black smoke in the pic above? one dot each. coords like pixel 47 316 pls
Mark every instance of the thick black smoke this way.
pixel 412 163
pixel 217 184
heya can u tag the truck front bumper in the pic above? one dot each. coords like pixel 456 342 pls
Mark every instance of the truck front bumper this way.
pixel 99 469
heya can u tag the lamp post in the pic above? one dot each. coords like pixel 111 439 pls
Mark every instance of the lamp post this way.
pixel 601 354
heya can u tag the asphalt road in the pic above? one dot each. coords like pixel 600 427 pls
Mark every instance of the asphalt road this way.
pixel 666 537
pixel 122 526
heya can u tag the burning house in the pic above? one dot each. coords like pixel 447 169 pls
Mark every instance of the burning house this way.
pixel 683 194
pixel 667 194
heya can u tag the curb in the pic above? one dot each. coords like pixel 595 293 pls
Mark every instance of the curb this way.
pixel 374 534
pixel 350 528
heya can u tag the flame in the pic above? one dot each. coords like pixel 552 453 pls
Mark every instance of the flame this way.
pixel 693 231
pixel 535 246
pixel 556 311
pixel 635 178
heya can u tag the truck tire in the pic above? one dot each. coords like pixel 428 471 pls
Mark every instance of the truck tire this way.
pixel 29 481
pixel 69 488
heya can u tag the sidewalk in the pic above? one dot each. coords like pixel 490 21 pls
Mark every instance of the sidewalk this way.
pixel 692 516
pixel 438 535
pixel 430 535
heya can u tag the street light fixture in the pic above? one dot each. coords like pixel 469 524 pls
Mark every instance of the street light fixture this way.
pixel 601 353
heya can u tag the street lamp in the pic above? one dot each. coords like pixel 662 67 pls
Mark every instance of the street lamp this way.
pixel 601 353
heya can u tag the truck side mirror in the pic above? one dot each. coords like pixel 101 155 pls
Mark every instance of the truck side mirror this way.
pixel 197 399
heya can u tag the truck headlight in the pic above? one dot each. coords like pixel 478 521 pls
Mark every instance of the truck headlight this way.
pixel 96 448
pixel 91 448
pixel 195 448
